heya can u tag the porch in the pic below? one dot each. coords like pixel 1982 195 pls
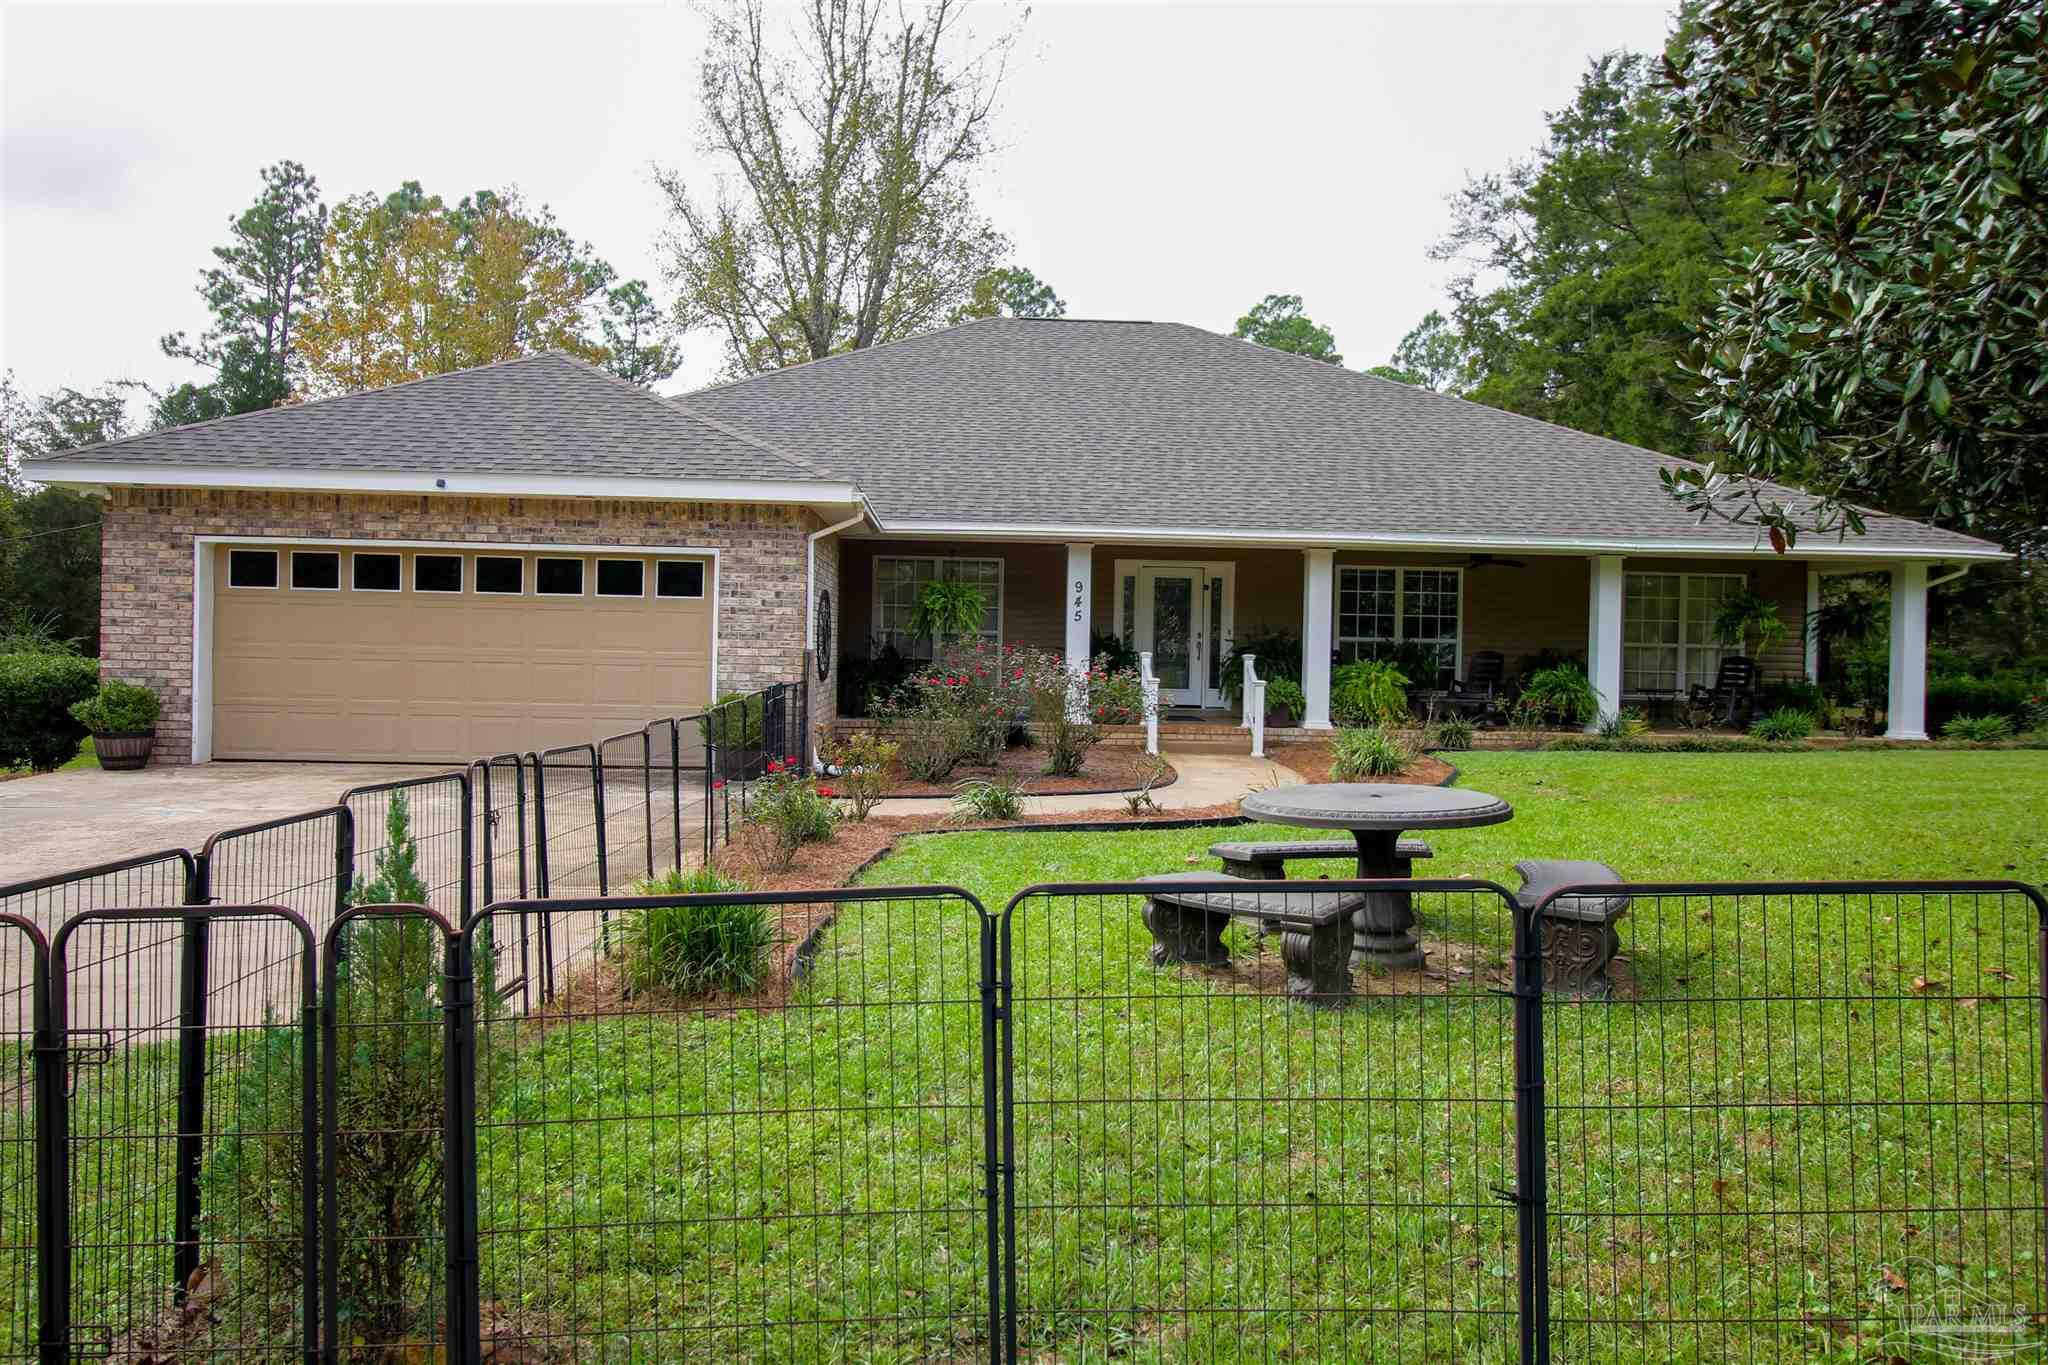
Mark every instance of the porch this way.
pixel 1641 625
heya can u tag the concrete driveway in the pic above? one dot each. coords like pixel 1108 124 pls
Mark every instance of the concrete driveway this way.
pixel 57 821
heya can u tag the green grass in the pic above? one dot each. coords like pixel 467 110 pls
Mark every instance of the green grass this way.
pixel 1205 1171
pixel 86 757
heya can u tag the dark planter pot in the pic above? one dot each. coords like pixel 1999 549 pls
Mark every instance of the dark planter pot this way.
pixel 126 751
pixel 1279 717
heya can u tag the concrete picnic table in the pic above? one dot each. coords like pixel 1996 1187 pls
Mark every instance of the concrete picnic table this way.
pixel 1377 813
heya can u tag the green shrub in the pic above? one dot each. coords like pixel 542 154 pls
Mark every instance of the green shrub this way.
pixel 1048 688
pixel 1279 656
pixel 1675 744
pixel 389 1154
pixel 37 692
pixel 1796 693
pixel 1561 695
pixel 2004 694
pixel 1627 723
pixel 686 950
pixel 1116 696
pixel 1369 692
pixel 1286 693
pixel 864 760
pixel 1452 733
pixel 1978 729
pixel 118 708
pixel 988 798
pixel 789 805
pixel 734 722
pixel 1367 752
pixel 2037 714
pixel 1787 722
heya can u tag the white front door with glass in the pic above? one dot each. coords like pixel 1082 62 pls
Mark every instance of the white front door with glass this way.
pixel 1181 613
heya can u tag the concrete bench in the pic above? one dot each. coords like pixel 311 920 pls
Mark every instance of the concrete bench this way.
pixel 1267 862
pixel 1315 930
pixel 1579 937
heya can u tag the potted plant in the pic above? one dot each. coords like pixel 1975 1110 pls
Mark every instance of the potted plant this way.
pixel 1285 703
pixel 121 717
pixel 1749 620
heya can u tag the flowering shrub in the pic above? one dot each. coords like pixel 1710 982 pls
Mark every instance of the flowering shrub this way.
pixel 793 808
pixel 1116 696
pixel 1052 689
pixel 863 760
pixel 959 709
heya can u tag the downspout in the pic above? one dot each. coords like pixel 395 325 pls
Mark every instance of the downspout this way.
pixel 811 573
pixel 1951 576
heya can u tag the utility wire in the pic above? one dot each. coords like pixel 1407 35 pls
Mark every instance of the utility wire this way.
pixel 53 531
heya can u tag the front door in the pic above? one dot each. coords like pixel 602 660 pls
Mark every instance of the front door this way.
pixel 1183 618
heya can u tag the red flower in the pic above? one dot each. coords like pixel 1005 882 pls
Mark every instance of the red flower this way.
pixel 824 791
pixel 717 785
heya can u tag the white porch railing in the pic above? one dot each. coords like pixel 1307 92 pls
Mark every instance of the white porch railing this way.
pixel 1255 705
pixel 1148 686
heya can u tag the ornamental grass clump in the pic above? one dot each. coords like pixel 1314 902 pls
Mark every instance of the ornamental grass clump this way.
pixel 697 949
pixel 1785 724
pixel 988 798
pixel 1365 752
pixel 1370 692
pixel 1978 729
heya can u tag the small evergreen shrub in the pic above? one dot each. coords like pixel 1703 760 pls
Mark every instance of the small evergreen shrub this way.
pixel 1285 694
pixel 1978 729
pixel 1452 733
pixel 118 708
pixel 1365 752
pixel 2037 714
pixel 1785 723
pixel 37 692
pixel 988 798
pixel 1562 695
pixel 688 950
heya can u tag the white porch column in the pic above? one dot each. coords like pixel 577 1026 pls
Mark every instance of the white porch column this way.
pixel 1603 635
pixel 1080 590
pixel 1906 708
pixel 1807 626
pixel 1318 610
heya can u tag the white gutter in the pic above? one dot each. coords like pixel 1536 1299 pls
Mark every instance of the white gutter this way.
pixel 454 483
pixel 1141 535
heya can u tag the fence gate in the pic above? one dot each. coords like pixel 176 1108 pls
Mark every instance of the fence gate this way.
pixel 798 1172
pixel 1199 1158
pixel 1806 1121
pixel 27 1221
pixel 187 1131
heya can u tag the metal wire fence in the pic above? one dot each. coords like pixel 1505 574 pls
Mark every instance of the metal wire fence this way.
pixel 1182 1118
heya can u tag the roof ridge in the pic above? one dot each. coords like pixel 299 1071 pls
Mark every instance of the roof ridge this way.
pixel 676 405
pixel 803 365
pixel 307 403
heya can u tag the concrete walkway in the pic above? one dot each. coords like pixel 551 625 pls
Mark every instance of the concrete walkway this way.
pixel 1205 780
pixel 57 821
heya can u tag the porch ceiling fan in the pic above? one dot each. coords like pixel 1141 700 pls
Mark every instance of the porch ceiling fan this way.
pixel 1482 561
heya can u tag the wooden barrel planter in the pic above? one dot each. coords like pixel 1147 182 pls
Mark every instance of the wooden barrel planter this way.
pixel 126 751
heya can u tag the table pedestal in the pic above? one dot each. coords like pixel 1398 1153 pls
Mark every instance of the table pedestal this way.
pixel 1384 929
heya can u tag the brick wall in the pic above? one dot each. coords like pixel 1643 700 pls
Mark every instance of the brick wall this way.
pixel 146 567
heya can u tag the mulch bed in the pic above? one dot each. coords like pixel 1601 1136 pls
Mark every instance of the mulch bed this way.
pixel 1312 759
pixel 1107 770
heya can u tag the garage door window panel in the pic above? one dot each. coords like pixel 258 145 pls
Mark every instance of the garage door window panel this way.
pixel 682 578
pixel 558 577
pixel 437 573
pixel 252 568
pixel 500 575
pixel 316 571
pixel 376 573
pixel 621 578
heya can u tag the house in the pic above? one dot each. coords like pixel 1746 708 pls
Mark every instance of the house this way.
pixel 534 552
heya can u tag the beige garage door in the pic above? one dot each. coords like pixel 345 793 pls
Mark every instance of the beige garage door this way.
pixel 444 655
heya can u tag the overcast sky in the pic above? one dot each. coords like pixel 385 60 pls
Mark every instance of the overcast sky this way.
pixel 1170 161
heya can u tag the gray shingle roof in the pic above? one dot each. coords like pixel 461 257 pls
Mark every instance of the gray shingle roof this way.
pixel 1163 426
pixel 542 414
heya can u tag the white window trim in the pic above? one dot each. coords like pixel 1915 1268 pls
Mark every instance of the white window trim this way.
pixel 875 585
pixel 703 580
pixel 476 580
pixel 1400 572
pixel 1683 681
pixel 203 590
pixel 646 585
pixel 354 555
pixel 462 565
pixel 292 578
pixel 588 580
pixel 276 578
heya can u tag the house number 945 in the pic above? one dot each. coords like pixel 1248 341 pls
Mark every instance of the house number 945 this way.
pixel 1080 592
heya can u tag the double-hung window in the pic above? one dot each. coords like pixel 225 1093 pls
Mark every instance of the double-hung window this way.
pixel 900 581
pixel 1378 610
pixel 1667 630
